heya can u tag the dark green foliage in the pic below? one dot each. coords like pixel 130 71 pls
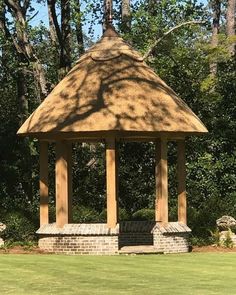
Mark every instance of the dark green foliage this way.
pixel 89 176
pixel 123 215
pixel 19 227
pixel 227 242
pixel 144 214
pixel 83 214
pixel 215 235
pixel 136 176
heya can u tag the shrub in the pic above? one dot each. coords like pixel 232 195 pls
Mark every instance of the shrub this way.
pixel 227 241
pixel 123 215
pixel 19 228
pixel 215 236
pixel 52 213
pixel 26 245
pixel 103 216
pixel 144 214
pixel 199 241
pixel 84 214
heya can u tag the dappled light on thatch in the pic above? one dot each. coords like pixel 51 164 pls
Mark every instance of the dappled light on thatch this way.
pixel 112 89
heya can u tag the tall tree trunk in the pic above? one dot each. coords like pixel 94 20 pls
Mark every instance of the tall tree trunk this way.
pixel 21 77
pixel 61 35
pixel 4 59
pixel 51 15
pixel 216 9
pixel 22 94
pixel 21 71
pixel 230 23
pixel 23 106
pixel 65 50
pixel 22 43
pixel 125 15
pixel 79 29
pixel 107 16
pixel 40 79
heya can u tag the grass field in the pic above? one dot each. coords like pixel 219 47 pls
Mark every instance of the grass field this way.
pixel 192 274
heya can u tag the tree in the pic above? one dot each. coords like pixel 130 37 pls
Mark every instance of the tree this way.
pixel 125 16
pixel 61 35
pixel 78 27
pixel 23 46
pixel 53 24
pixel 230 24
pixel 216 9
pixel 65 48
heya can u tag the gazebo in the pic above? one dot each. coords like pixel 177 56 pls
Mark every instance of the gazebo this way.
pixel 111 94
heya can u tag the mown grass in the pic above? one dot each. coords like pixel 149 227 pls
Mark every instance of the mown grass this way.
pixel 195 274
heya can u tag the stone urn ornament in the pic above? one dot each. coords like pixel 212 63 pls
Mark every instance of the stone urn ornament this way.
pixel 226 223
pixel 2 228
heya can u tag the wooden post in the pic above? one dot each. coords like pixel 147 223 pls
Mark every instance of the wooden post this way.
pixel 70 181
pixel 161 173
pixel 111 180
pixel 62 184
pixel 158 200
pixel 43 182
pixel 181 176
pixel 117 163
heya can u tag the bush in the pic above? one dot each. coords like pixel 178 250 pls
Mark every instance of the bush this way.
pixel 103 216
pixel 84 214
pixel 123 215
pixel 144 214
pixel 26 245
pixel 227 240
pixel 19 228
pixel 199 241
pixel 215 235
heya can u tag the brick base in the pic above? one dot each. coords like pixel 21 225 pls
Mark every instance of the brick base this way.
pixel 95 245
pixel 171 243
pixel 97 239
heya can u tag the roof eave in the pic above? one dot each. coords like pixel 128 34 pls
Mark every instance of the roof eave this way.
pixel 103 134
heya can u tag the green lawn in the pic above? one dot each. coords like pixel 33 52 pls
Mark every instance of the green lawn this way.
pixel 195 273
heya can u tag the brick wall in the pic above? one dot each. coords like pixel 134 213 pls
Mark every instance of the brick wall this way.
pixel 96 245
pixel 98 239
pixel 171 242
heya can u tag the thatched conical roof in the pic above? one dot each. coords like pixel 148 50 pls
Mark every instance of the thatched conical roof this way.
pixel 111 89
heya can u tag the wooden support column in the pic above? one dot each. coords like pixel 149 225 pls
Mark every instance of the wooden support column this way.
pixel 63 183
pixel 181 176
pixel 161 173
pixel 43 182
pixel 70 181
pixel 111 182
